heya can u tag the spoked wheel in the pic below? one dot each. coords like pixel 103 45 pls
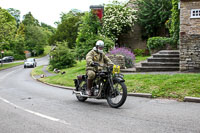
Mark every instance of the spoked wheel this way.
pixel 81 87
pixel 117 97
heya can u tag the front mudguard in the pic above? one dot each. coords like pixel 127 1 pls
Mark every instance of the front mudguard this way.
pixel 118 79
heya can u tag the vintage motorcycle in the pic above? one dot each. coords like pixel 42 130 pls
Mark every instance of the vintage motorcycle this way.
pixel 108 84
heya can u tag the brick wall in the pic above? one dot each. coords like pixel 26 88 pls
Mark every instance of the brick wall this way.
pixel 189 36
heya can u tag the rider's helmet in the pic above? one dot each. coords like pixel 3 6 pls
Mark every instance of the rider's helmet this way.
pixel 100 46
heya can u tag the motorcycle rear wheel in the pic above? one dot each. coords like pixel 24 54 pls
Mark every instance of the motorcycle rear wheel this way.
pixel 118 97
pixel 81 87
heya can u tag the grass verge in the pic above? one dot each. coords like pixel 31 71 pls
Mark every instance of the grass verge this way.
pixel 5 66
pixel 37 71
pixel 67 78
pixel 175 86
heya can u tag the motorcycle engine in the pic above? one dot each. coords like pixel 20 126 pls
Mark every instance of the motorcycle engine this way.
pixel 96 90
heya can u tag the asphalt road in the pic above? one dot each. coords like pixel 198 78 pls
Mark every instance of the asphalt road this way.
pixel 28 106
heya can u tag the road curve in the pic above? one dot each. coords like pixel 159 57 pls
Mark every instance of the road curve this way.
pixel 28 106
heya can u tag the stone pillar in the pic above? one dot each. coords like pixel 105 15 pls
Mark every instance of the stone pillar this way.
pixel 118 60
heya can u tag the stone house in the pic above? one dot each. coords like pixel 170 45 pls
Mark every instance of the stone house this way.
pixel 189 35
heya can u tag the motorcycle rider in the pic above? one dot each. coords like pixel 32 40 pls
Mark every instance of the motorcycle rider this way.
pixel 93 58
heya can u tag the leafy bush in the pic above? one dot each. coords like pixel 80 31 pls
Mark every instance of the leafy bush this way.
pixel 139 52
pixel 118 18
pixel 19 57
pixel 62 56
pixel 129 56
pixel 158 43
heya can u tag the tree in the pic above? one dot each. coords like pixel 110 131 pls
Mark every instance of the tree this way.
pixel 20 40
pixel 28 19
pixel 48 30
pixel 152 15
pixel 118 19
pixel 35 39
pixel 68 28
pixel 71 13
pixel 7 28
pixel 48 27
pixel 88 35
pixel 17 44
pixel 16 14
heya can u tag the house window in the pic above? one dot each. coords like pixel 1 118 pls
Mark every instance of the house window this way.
pixel 195 13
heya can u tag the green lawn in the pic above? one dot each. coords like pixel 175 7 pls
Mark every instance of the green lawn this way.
pixel 5 66
pixel 165 85
pixel 140 58
pixel 159 85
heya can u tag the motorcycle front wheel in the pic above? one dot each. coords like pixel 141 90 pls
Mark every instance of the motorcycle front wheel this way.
pixel 117 97
pixel 82 86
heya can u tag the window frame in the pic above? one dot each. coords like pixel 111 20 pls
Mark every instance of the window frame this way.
pixel 196 12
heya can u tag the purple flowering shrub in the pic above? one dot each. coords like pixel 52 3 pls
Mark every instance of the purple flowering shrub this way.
pixel 129 56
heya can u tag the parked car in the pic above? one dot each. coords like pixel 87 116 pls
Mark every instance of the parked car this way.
pixel 0 60
pixel 30 62
pixel 8 59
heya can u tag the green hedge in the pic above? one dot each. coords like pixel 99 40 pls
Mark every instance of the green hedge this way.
pixel 158 43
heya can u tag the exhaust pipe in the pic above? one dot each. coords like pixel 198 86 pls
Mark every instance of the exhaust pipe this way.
pixel 79 93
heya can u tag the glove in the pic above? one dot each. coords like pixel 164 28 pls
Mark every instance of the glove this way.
pixel 94 64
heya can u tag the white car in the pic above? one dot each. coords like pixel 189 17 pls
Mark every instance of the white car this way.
pixel 30 62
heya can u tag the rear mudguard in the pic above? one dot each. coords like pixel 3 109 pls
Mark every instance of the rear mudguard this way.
pixel 79 79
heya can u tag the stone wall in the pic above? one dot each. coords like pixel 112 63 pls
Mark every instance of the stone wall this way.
pixel 118 60
pixel 189 36
pixel 133 39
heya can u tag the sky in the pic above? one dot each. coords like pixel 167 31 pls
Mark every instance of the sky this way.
pixel 48 11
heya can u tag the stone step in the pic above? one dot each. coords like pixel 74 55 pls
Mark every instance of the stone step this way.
pixel 163 59
pixel 128 70
pixel 160 64
pixel 156 69
pixel 165 55
pixel 169 52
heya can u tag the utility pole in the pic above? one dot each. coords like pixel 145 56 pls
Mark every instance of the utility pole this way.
pixel 1 54
pixel 2 58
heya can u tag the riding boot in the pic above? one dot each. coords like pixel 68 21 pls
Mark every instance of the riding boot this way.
pixel 89 86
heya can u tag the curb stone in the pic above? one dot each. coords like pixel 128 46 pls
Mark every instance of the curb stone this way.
pixel 146 95
pixel 192 99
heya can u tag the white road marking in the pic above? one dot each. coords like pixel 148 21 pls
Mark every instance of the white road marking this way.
pixel 35 113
